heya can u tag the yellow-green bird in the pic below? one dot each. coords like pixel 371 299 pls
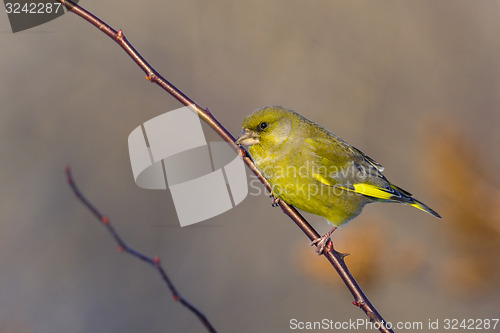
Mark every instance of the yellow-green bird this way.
pixel 316 171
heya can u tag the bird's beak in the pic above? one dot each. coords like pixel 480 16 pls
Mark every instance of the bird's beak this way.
pixel 247 138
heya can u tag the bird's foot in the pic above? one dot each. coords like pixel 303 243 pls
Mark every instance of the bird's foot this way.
pixel 323 241
pixel 275 202
pixel 320 243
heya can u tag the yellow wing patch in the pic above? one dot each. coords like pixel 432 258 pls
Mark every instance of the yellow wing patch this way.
pixel 371 191
pixel 322 179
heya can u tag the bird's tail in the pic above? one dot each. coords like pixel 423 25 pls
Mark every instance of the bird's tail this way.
pixel 424 207
pixel 391 193
pixel 406 198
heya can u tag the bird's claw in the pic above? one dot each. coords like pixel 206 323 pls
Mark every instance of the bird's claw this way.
pixel 321 243
pixel 275 202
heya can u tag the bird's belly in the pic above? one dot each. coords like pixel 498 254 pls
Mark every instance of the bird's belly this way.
pixel 335 204
pixel 293 181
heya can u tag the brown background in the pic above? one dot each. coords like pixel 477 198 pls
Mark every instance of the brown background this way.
pixel 414 84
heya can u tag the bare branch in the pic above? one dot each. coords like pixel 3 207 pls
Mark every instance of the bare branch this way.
pixel 334 257
pixel 123 247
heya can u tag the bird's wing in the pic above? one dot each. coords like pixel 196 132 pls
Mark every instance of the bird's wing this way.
pixel 347 168
pixel 368 159
pixel 335 163
pixel 339 164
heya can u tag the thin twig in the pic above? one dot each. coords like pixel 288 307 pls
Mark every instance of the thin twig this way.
pixel 334 257
pixel 123 247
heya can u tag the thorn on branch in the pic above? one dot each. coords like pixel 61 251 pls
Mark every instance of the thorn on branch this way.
pixel 151 77
pixel 156 259
pixel 69 179
pixel 329 247
pixel 342 255
pixel 371 315
pixel 361 304
pixel 119 35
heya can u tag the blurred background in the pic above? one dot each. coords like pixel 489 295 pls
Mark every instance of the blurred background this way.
pixel 414 84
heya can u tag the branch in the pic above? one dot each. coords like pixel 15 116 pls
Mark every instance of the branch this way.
pixel 334 257
pixel 123 247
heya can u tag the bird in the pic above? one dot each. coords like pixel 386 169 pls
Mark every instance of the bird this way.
pixel 314 170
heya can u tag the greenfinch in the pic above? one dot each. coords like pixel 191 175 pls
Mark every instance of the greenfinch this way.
pixel 314 170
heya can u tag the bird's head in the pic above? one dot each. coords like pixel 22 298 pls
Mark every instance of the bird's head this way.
pixel 268 126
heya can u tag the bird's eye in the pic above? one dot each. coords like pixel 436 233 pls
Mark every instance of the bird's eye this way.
pixel 262 125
